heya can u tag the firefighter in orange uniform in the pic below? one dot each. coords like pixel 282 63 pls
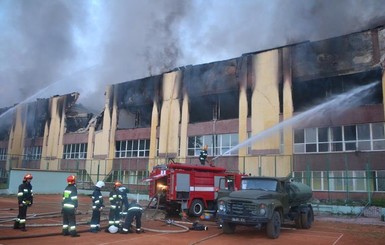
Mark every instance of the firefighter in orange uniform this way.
pixel 69 206
pixel 25 200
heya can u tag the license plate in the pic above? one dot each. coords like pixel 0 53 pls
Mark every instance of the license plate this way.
pixel 238 219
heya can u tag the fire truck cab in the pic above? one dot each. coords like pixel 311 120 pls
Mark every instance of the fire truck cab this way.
pixel 181 187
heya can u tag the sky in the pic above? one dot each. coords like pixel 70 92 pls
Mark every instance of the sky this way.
pixel 50 47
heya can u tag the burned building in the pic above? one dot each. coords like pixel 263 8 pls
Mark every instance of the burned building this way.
pixel 314 110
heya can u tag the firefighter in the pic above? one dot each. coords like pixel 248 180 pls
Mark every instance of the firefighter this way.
pixel 69 206
pixel 203 155
pixel 115 199
pixel 124 191
pixel 134 211
pixel 97 206
pixel 25 200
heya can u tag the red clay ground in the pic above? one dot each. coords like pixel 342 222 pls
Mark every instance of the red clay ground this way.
pixel 44 227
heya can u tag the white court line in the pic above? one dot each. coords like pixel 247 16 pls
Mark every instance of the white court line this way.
pixel 338 239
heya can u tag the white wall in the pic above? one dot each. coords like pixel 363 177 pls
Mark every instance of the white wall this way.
pixel 43 182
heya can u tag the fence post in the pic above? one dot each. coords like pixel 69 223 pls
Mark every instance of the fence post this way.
pixel 368 183
pixel 346 179
pixel 98 171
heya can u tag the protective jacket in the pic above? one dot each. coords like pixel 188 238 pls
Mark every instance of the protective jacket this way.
pixel 24 200
pixel 69 205
pixel 123 192
pixel 25 194
pixel 97 199
pixel 70 197
pixel 115 199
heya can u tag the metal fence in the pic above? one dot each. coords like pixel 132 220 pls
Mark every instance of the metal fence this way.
pixel 350 182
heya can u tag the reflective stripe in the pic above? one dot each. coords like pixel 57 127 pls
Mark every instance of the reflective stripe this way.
pixel 22 221
pixel 25 190
pixel 72 228
pixel 113 206
pixel 19 194
pixel 65 226
pixel 133 208
pixel 67 205
pixel 74 197
pixel 97 201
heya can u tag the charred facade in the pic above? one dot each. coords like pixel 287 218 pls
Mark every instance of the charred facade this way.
pixel 223 104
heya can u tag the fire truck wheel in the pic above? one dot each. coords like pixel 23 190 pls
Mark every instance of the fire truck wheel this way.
pixel 196 208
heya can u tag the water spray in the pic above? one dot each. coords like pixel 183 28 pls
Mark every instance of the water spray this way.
pixel 42 91
pixel 343 101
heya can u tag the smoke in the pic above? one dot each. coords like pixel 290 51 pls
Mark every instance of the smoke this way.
pixel 62 46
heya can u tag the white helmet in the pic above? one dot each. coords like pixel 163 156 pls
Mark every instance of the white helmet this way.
pixel 113 229
pixel 100 184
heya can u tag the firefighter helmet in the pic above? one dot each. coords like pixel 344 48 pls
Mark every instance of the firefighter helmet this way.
pixel 100 184
pixel 27 176
pixel 71 179
pixel 117 184
pixel 113 229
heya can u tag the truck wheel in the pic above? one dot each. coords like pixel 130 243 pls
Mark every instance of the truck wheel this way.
pixel 196 208
pixel 273 227
pixel 307 219
pixel 228 228
pixel 298 222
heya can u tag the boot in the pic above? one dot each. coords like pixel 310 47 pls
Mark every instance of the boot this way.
pixel 16 225
pixel 22 228
pixel 74 234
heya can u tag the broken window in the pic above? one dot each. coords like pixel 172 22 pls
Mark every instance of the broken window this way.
pixel 313 92
pixel 135 100
pixel 214 107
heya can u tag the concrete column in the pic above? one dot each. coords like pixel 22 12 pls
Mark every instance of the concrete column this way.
pixel 265 113
pixel 170 116
pixel 288 108
pixel 265 101
pixel 183 128
pixel 242 130
pixel 52 136
pixel 153 139
pixel 17 136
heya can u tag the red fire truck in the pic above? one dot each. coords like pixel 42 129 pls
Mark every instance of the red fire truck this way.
pixel 193 188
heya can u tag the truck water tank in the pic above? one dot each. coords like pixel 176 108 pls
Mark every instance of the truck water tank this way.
pixel 299 193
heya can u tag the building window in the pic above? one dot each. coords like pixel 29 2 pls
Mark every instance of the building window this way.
pixel 217 144
pixel 132 148
pixel 75 151
pixel 32 153
pixel 363 137
pixel 134 177
pixel 3 154
pixel 352 181
pixel 380 181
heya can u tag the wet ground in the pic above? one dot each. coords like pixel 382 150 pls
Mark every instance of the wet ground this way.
pixel 44 227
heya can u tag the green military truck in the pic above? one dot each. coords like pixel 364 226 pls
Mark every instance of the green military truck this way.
pixel 266 202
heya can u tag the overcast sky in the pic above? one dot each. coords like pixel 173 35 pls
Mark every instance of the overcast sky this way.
pixel 50 47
